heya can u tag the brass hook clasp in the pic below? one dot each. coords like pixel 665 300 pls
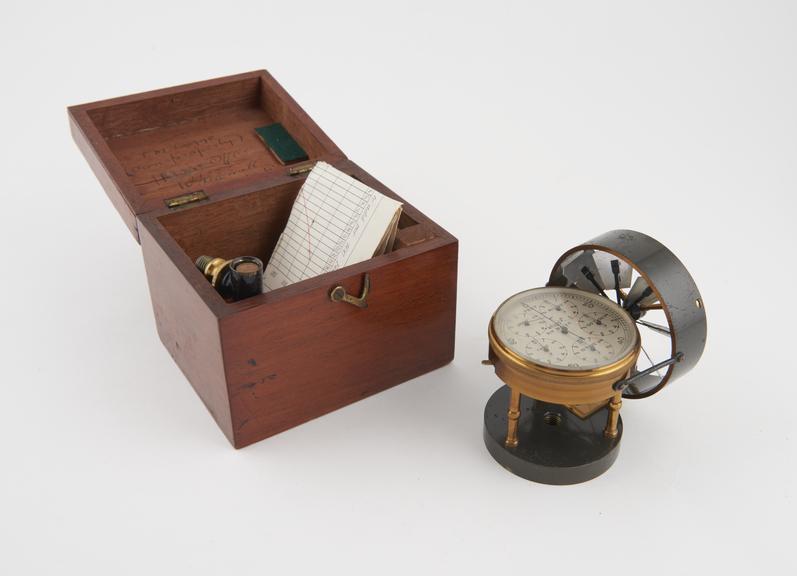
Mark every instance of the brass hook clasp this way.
pixel 339 294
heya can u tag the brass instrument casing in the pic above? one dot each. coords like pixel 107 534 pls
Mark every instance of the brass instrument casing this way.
pixel 554 385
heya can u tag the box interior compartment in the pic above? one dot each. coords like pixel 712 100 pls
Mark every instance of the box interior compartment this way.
pixel 250 224
pixel 157 146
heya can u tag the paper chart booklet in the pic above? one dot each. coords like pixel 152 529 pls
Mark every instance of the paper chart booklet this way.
pixel 335 221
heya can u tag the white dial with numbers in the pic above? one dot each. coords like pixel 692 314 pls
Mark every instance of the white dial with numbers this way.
pixel 565 328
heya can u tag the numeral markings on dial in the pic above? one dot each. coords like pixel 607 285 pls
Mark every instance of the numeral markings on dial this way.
pixel 565 328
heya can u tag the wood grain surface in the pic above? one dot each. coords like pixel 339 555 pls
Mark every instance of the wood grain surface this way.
pixel 270 362
pixel 148 147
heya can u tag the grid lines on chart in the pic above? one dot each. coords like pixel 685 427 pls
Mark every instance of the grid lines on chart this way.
pixel 330 211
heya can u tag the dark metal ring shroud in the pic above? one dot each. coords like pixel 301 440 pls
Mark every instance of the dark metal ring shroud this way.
pixel 674 287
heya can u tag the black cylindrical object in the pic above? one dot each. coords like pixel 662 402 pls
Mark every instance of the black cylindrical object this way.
pixel 244 278
pixel 234 279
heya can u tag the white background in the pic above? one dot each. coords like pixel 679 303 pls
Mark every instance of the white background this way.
pixel 523 129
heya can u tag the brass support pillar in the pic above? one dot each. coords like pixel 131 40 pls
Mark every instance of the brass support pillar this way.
pixel 513 414
pixel 614 415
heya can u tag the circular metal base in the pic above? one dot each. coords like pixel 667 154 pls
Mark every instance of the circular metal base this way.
pixel 554 445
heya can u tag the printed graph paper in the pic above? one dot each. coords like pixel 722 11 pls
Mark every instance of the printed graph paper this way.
pixel 335 221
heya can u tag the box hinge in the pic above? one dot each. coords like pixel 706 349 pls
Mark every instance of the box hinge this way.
pixel 301 169
pixel 184 199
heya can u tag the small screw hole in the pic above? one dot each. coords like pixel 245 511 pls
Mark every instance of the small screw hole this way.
pixel 699 303
pixel 552 418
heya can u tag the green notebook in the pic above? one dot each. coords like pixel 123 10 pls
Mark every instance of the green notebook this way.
pixel 282 144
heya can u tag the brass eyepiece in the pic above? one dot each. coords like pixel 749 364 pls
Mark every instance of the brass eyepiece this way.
pixel 211 267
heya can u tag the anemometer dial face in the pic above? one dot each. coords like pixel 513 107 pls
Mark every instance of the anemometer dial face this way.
pixel 565 328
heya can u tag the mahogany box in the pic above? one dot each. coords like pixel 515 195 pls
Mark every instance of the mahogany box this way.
pixel 189 176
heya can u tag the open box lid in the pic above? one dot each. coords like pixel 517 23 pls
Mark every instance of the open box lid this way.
pixel 181 145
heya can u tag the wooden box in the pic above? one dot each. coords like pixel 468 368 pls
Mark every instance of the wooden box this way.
pixel 187 173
